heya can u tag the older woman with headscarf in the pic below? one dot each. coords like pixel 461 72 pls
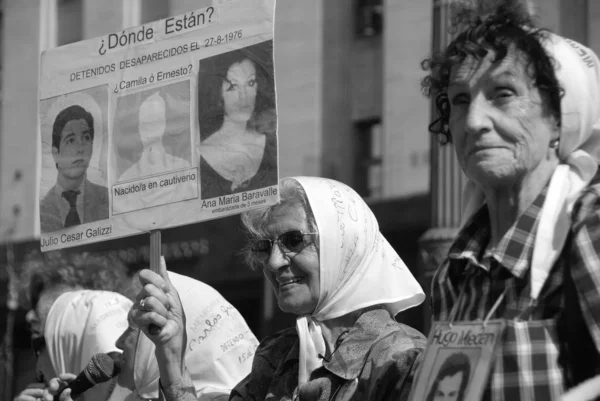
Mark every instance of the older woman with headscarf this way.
pixel 321 250
pixel 216 365
pixel 219 351
pixel 81 324
pixel 522 109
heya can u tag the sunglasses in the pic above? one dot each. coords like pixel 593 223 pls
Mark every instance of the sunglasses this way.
pixel 289 242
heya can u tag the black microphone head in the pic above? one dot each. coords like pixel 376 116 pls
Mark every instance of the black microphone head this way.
pixel 102 368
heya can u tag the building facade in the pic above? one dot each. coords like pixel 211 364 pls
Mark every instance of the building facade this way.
pixel 350 108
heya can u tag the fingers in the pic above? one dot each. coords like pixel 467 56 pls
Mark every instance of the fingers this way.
pixel 152 291
pixel 30 394
pixel 143 319
pixel 162 270
pixel 56 384
pixel 155 304
pixel 65 395
pixel 36 385
pixel 47 396
pixel 147 276
pixel 68 377
pixel 159 278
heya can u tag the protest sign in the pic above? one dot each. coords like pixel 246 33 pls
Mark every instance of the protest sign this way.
pixel 457 361
pixel 157 126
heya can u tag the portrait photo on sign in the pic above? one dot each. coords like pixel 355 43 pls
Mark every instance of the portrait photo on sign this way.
pixel 151 132
pixel 73 184
pixel 238 121
pixel 453 370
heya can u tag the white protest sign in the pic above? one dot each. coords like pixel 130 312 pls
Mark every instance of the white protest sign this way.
pixel 157 126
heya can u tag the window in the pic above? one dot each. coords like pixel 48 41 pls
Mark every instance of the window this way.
pixel 369 156
pixel 153 10
pixel 70 21
pixel 368 18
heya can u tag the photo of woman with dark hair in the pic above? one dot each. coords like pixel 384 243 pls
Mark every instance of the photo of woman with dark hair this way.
pixel 237 121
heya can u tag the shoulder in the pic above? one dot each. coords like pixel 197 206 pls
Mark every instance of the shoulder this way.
pixel 96 189
pixel 586 210
pixel 274 350
pixel 49 213
pixel 388 371
pixel 379 342
pixel 272 353
pixel 47 200
pixel 399 343
pixel 279 343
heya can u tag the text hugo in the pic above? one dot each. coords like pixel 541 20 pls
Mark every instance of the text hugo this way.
pixel 467 338
pixel 444 338
pixel 124 39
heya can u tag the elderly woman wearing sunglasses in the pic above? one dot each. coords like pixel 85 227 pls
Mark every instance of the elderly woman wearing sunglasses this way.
pixel 322 252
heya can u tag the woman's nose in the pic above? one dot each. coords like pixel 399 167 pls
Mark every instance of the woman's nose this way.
pixel 243 95
pixel 31 317
pixel 478 119
pixel 119 343
pixel 277 259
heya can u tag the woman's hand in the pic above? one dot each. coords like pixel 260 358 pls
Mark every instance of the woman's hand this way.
pixel 158 312
pixel 56 385
pixel 33 392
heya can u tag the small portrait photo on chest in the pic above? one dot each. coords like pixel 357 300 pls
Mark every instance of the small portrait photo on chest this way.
pixel 457 361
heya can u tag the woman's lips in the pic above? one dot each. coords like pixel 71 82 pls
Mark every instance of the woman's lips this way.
pixel 290 281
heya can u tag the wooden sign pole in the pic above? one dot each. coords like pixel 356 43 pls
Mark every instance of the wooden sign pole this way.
pixel 155 253
pixel 155 250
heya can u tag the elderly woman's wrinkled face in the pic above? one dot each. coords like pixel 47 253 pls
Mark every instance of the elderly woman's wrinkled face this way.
pixel 128 343
pixel 239 91
pixel 293 276
pixel 500 124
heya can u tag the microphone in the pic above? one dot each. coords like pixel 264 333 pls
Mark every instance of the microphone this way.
pixel 101 368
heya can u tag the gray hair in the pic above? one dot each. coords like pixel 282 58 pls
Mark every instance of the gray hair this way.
pixel 255 221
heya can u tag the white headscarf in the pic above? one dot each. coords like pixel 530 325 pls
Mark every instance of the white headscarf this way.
pixel 220 344
pixel 358 267
pixel 81 324
pixel 578 72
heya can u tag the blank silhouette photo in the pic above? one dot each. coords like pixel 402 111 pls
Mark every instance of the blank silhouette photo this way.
pixel 152 132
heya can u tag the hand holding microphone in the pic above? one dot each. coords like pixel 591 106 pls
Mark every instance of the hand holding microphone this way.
pixel 101 368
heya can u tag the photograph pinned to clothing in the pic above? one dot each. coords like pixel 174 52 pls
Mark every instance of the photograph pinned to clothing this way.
pixel 182 132
pixel 457 361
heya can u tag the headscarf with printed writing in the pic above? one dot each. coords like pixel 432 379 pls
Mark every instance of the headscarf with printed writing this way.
pixel 220 346
pixel 81 324
pixel 358 267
